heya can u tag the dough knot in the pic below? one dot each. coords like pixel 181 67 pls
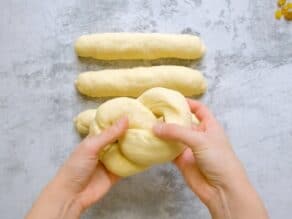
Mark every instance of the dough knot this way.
pixel 139 148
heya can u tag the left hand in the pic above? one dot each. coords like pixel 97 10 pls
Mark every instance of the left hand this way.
pixel 81 181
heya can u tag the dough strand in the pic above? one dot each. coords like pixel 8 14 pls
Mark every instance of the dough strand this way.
pixel 148 46
pixel 134 81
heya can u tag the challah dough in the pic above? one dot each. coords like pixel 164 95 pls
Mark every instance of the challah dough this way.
pixel 134 81
pixel 83 120
pixel 113 46
pixel 138 149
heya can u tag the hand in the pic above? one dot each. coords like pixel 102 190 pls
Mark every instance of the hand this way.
pixel 211 168
pixel 81 181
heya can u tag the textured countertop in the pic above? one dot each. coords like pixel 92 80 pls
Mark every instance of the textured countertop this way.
pixel 249 71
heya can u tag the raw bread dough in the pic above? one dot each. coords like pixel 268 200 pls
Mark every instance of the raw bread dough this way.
pixel 138 149
pixel 113 46
pixel 133 82
pixel 83 120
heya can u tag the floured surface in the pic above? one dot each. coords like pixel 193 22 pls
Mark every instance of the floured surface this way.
pixel 248 70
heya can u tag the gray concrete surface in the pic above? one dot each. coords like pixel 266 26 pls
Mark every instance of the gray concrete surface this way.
pixel 248 67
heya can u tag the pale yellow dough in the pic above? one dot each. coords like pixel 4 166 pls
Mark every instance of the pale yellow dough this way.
pixel 134 81
pixel 83 121
pixel 113 46
pixel 138 149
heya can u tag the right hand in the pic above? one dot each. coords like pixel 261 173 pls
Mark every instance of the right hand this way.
pixel 211 168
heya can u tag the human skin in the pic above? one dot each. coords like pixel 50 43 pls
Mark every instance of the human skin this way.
pixel 209 166
pixel 81 181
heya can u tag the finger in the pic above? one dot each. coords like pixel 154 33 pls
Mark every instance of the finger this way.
pixel 80 166
pixel 93 144
pixel 186 163
pixel 113 177
pixel 187 136
pixel 202 112
pixel 100 183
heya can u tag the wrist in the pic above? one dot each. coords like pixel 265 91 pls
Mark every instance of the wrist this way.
pixel 64 198
pixel 55 202
pixel 218 205
pixel 238 200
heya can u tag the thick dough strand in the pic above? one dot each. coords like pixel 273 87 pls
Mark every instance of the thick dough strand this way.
pixel 148 46
pixel 133 82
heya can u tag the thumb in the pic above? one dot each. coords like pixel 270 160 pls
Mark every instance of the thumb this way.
pixel 81 164
pixel 187 165
pixel 92 145
pixel 187 136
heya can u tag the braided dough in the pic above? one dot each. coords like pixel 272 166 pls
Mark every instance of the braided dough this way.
pixel 113 46
pixel 138 149
pixel 133 82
